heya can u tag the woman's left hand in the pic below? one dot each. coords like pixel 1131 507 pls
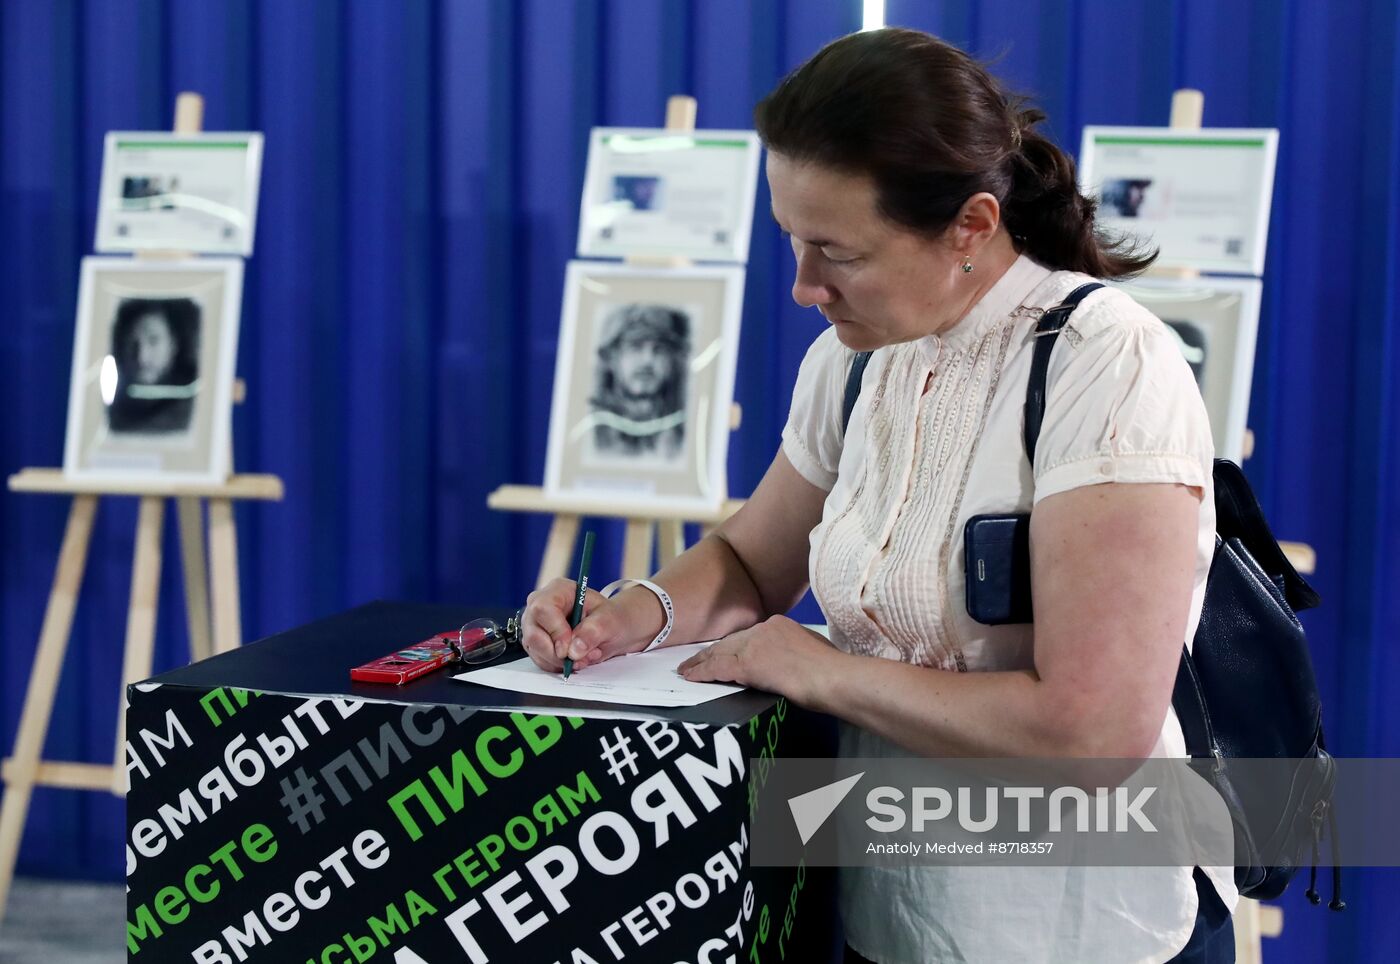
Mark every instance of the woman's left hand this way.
pixel 777 655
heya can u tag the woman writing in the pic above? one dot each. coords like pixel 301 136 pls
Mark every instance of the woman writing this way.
pixel 931 223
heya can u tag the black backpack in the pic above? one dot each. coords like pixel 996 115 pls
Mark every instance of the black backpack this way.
pixel 1248 689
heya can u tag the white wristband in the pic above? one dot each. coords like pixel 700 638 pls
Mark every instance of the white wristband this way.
pixel 613 588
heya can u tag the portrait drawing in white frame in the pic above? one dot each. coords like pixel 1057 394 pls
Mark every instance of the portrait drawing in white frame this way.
pixel 179 192
pixel 1203 197
pixel 1215 323
pixel 656 193
pixel 151 387
pixel 643 385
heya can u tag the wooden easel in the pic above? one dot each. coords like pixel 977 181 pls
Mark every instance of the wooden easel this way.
pixel 642 529
pixel 211 630
pixel 1253 920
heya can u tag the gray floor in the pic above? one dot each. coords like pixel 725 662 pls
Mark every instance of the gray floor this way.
pixel 58 922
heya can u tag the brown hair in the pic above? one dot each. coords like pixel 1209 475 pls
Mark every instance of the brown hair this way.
pixel 931 127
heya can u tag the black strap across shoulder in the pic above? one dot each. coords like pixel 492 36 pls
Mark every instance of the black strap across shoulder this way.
pixel 853 380
pixel 1047 331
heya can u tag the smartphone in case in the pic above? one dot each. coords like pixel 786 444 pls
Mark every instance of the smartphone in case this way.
pixel 409 663
pixel 997 568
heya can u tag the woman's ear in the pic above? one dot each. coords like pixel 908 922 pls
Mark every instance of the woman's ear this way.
pixel 976 222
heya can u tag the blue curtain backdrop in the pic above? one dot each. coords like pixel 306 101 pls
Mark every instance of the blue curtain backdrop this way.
pixel 419 200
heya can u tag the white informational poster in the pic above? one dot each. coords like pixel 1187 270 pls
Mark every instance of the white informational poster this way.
pixel 179 192
pixel 1201 196
pixel 1215 323
pixel 653 192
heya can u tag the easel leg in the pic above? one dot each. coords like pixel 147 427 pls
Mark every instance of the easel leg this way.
pixel 140 619
pixel 557 548
pixel 1248 949
pixel 193 555
pixel 223 558
pixel 21 769
pixel 672 536
pixel 1270 920
pixel 636 551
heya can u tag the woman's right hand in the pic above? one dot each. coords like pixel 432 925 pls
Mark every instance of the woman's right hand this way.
pixel 610 627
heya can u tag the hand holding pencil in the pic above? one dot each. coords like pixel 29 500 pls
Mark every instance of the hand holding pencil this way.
pixel 555 629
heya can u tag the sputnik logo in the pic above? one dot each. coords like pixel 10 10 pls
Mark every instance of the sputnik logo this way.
pixel 811 809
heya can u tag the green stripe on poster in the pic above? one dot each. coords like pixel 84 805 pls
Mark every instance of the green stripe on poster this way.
pixel 699 142
pixel 201 145
pixel 1179 141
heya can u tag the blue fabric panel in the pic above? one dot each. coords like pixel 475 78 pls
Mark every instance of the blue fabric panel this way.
pixel 630 58
pixel 297 356
pixel 476 385
pixel 1370 664
pixel 720 43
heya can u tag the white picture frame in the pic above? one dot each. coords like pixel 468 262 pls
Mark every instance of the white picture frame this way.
pixel 1215 321
pixel 151 385
pixel 651 192
pixel 1202 196
pixel 643 385
pixel 179 192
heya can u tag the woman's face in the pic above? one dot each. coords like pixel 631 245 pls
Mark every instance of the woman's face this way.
pixel 151 349
pixel 878 283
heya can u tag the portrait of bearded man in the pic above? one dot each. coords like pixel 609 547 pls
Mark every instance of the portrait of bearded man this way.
pixel 638 403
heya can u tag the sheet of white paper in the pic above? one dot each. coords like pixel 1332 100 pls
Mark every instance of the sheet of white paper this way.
pixel 641 679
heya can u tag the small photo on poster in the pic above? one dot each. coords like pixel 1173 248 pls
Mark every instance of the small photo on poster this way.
pixel 149 193
pixel 1127 198
pixel 643 385
pixel 638 192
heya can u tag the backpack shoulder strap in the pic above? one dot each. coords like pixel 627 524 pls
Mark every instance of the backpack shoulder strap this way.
pixel 1047 331
pixel 853 378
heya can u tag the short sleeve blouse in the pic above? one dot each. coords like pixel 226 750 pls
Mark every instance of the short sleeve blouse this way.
pixel 915 464
pixel 934 439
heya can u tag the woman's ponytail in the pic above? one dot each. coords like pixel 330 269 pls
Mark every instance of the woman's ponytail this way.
pixel 1047 216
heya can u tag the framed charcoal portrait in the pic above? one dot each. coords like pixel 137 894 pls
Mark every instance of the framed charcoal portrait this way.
pixel 1215 323
pixel 643 385
pixel 152 377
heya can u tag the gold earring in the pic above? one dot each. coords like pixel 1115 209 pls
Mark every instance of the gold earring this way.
pixel 967 265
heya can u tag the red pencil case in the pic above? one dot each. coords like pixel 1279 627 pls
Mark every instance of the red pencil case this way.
pixel 409 663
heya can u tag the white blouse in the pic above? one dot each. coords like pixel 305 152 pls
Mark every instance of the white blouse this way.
pixel 886 568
